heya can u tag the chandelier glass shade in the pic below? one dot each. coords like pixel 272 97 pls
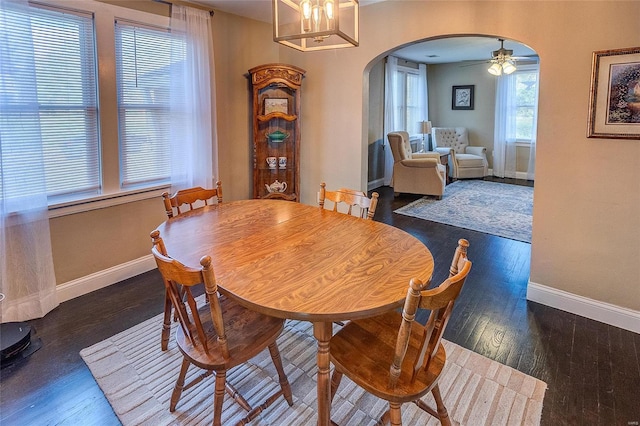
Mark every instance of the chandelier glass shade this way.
pixel 308 25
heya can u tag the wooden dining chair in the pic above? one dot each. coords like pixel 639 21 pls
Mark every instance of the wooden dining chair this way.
pixel 189 197
pixel 396 358
pixel 350 198
pixel 217 335
pixel 181 201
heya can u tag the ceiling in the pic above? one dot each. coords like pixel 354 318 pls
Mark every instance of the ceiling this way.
pixel 444 50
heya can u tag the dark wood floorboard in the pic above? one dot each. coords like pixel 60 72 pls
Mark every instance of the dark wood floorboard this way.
pixel 592 369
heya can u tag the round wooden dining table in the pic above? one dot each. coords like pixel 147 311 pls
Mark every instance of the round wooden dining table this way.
pixel 296 261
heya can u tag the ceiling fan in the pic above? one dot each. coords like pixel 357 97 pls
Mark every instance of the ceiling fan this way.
pixel 502 60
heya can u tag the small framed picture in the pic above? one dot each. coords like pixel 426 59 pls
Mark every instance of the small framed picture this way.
pixel 614 103
pixel 462 97
pixel 276 105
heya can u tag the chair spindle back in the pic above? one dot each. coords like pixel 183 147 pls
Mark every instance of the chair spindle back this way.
pixel 350 198
pixel 188 197
pixel 175 274
pixel 440 301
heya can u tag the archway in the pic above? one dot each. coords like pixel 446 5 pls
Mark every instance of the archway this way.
pixel 451 60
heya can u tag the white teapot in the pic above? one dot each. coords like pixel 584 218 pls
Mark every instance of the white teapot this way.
pixel 276 186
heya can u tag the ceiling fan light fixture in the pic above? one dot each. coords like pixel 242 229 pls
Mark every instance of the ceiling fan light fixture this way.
pixel 508 67
pixel 502 61
pixel 309 25
pixel 495 69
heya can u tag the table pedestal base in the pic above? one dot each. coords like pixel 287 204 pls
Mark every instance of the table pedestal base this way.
pixel 323 331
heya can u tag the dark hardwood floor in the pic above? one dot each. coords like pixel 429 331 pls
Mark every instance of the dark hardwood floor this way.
pixel 592 369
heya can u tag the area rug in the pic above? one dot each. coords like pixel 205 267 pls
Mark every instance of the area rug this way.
pixel 493 208
pixel 137 378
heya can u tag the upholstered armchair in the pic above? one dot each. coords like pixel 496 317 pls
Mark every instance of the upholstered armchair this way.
pixel 464 161
pixel 415 173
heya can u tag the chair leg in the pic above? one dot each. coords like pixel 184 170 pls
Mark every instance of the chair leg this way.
pixel 177 390
pixel 384 419
pixel 237 397
pixel 395 415
pixel 443 415
pixel 336 377
pixel 166 324
pixel 218 396
pixel 284 381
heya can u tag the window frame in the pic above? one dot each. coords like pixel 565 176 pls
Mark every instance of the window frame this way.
pixel 522 69
pixel 104 17
pixel 402 96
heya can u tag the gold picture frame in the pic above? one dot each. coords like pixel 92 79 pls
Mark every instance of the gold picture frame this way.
pixel 614 102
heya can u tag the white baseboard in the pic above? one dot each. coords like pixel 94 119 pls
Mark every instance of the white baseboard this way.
pixel 375 184
pixel 607 313
pixel 98 280
pixel 513 175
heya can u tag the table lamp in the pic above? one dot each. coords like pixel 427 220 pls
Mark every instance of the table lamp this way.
pixel 425 128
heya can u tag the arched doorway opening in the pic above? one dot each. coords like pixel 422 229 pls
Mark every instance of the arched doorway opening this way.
pixel 460 60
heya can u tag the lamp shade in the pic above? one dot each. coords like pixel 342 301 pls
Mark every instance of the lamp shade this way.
pixel 425 127
pixel 508 67
pixel 495 69
pixel 309 25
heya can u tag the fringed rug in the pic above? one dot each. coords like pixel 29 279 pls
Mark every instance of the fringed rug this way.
pixel 137 378
pixel 493 208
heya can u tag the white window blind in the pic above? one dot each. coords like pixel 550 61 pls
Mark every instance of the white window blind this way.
pixel 48 98
pixel 407 101
pixel 526 97
pixel 143 60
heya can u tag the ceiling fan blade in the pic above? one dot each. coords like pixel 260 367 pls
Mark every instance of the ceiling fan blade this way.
pixel 524 58
pixel 473 63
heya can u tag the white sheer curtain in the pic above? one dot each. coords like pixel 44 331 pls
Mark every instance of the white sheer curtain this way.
pixel 27 278
pixel 423 99
pixel 391 123
pixel 194 144
pixel 504 148
pixel 423 88
pixel 531 168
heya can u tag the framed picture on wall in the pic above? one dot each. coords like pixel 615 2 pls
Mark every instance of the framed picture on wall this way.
pixel 614 103
pixel 462 97
pixel 272 105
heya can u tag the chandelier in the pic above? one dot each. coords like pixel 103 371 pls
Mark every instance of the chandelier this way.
pixel 308 25
pixel 502 61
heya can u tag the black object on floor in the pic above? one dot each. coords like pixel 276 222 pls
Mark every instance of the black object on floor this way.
pixel 16 342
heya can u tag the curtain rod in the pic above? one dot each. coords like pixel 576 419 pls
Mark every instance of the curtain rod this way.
pixel 185 3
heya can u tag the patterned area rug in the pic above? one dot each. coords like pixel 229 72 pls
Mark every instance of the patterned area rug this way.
pixel 493 208
pixel 137 378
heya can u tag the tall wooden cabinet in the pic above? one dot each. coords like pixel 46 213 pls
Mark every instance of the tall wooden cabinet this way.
pixel 276 131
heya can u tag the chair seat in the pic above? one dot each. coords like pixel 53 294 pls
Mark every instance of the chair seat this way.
pixel 353 341
pixel 248 333
pixel 469 160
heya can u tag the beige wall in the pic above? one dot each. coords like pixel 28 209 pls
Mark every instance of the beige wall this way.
pixel 586 221
pixel 90 242
pixel 586 229
pixel 480 120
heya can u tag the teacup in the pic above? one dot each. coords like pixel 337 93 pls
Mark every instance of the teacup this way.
pixel 272 161
pixel 282 162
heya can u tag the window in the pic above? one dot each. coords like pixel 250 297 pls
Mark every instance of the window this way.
pixel 49 87
pixel 95 148
pixel 143 59
pixel 526 102
pixel 408 99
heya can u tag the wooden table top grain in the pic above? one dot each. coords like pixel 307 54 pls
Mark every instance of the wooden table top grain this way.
pixel 296 261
